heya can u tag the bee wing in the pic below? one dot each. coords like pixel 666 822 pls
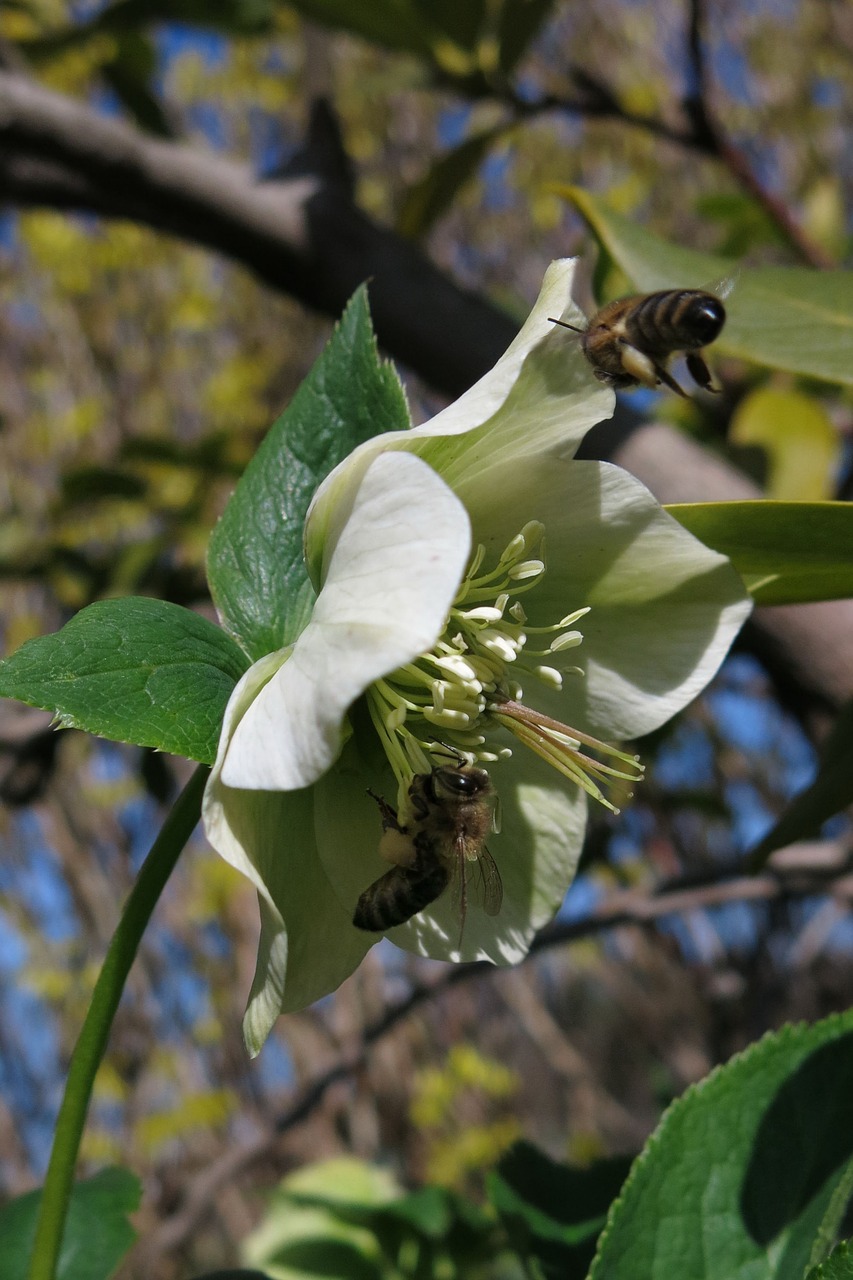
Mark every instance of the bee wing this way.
pixel 723 287
pixel 488 886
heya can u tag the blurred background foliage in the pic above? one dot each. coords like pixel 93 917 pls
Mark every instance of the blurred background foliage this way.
pixel 137 375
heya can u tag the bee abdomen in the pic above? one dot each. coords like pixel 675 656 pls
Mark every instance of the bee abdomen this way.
pixel 398 895
pixel 678 320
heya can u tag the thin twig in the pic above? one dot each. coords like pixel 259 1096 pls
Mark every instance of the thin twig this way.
pixel 710 137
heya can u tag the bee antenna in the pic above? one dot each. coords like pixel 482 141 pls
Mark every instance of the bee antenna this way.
pixel 566 325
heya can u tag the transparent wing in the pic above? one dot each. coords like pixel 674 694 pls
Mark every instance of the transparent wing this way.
pixel 723 287
pixel 487 886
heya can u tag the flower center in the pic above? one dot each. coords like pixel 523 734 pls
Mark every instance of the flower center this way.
pixel 469 686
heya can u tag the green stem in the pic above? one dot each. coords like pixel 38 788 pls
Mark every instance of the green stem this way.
pixel 89 1050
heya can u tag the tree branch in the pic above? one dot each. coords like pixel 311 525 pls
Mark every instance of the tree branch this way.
pixel 710 137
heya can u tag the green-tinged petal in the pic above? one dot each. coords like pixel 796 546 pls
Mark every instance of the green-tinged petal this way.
pixel 664 607
pixel 391 580
pixel 269 837
pixel 307 944
pixel 540 396
pixel 536 851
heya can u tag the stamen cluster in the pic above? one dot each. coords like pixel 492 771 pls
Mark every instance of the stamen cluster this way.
pixel 469 685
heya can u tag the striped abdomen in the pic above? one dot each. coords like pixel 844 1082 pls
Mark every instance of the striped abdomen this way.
pixel 400 894
pixel 673 320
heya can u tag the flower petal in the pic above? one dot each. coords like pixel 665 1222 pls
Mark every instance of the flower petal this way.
pixel 664 607
pixel 308 945
pixel 392 578
pixel 540 396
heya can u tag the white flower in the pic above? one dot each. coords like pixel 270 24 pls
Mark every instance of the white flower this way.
pixel 453 563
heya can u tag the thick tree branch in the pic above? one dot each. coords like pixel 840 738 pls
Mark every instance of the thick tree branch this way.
pixel 302 235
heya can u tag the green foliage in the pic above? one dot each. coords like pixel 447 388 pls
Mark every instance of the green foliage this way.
pixel 741 1175
pixel 97 1231
pixel 830 793
pixel 135 670
pixel 838 1266
pixel 346 1221
pixel 554 1213
pixel 785 317
pixel 256 570
pixel 786 552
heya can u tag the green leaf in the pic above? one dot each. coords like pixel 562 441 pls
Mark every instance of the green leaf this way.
pixel 735 1182
pixel 786 552
pixel 135 670
pixel 790 318
pixel 553 1212
pixel 831 791
pixel 838 1266
pixel 255 566
pixel 428 199
pixel 97 1232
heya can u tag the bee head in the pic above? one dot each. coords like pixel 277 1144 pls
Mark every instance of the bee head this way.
pixel 705 317
pixel 456 784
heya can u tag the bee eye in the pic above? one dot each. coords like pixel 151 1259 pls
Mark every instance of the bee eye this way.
pixel 455 782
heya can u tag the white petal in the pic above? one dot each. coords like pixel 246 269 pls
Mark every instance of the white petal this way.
pixel 390 584
pixel 540 396
pixel 664 607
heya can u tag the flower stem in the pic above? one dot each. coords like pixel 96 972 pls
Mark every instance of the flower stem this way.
pixel 92 1042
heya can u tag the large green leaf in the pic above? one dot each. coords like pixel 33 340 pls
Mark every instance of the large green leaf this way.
pixel 789 318
pixel 135 670
pixel 255 566
pixel 786 552
pixel 552 1212
pixel 737 1180
pixel 97 1232
pixel 831 791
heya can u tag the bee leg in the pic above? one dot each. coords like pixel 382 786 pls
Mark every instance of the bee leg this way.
pixel 389 817
pixel 699 372
pixel 666 376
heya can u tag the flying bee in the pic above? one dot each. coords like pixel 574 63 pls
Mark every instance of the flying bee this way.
pixel 452 809
pixel 632 340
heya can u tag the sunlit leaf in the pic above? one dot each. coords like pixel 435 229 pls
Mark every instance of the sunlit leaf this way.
pixel 133 670
pixel 786 552
pixel 737 1179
